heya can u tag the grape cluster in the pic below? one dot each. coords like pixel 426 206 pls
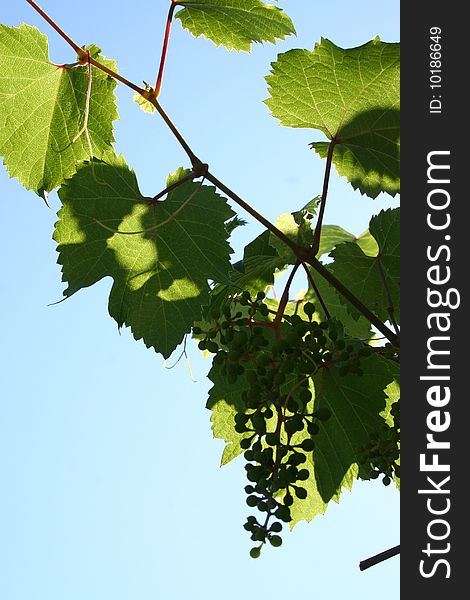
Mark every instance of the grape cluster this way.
pixel 277 418
pixel 382 453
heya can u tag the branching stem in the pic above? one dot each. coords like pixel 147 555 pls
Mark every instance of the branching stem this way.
pixel 303 254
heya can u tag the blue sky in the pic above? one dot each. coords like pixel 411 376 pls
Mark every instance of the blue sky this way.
pixel 111 486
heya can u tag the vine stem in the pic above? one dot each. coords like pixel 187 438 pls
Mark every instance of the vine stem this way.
pixel 296 249
pixel 391 309
pixel 343 290
pixel 285 297
pixel 326 179
pixel 200 168
pixel 80 52
pixel 169 21
pixel 304 255
pixel 378 558
pixel 316 290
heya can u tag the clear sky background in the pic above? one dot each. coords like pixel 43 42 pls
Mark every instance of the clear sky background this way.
pixel 111 486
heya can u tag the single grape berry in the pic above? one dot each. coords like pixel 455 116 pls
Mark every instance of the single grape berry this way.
pixel 276 527
pixel 255 552
pixel 275 540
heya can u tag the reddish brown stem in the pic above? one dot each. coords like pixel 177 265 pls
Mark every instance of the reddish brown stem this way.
pixel 80 52
pixel 296 249
pixel 316 290
pixel 285 297
pixel 169 21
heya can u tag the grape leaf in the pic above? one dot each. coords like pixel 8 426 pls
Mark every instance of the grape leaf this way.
pixel 224 402
pixel 235 24
pixel 367 244
pixel 352 96
pixel 362 273
pixel 42 108
pixel 331 236
pixel 356 403
pixel 160 275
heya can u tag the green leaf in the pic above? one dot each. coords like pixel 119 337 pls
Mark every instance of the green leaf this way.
pixel 365 275
pixel 331 236
pixel 235 24
pixel 224 402
pixel 356 403
pixel 160 275
pixel 367 244
pixel 42 109
pixel 143 103
pixel 352 96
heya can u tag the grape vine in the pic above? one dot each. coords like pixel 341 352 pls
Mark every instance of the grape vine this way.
pixel 307 389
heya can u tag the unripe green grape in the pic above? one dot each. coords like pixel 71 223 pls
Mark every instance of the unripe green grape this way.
pixel 255 552
pixel 202 345
pixel 276 527
pixel 300 492
pixel 305 395
pixel 295 319
pixel 290 426
pixel 288 500
pixel 259 535
pixel 241 428
pixel 309 309
pixel 292 405
pixel 252 501
pixel 241 418
pixel 272 439
pixel 386 480
pixel 213 347
pixel 197 330
pixel 249 489
pixel 259 424
pixel 275 540
pixel 303 475
pixel 268 413
pixel 245 443
pixel 283 514
pixel 308 445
